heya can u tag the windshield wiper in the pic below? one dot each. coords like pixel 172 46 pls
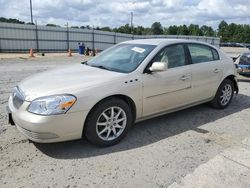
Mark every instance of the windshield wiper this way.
pixel 101 67
pixel 84 63
pixel 98 66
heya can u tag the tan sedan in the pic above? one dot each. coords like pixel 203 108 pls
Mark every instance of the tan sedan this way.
pixel 127 83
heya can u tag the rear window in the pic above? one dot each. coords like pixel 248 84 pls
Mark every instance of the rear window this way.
pixel 201 53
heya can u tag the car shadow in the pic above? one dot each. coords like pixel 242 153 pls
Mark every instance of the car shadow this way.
pixel 149 131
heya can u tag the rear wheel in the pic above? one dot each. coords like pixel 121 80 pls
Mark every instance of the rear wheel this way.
pixel 223 95
pixel 108 122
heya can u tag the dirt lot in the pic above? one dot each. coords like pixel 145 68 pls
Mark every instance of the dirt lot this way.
pixel 156 153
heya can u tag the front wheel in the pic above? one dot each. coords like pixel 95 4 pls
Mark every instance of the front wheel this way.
pixel 108 122
pixel 223 95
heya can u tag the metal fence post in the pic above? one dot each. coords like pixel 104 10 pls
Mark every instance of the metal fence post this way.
pixel 115 38
pixel 37 42
pixel 67 36
pixel 93 39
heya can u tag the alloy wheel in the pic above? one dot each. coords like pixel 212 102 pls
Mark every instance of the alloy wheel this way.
pixel 111 123
pixel 226 94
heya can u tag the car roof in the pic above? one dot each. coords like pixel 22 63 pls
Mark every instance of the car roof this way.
pixel 162 41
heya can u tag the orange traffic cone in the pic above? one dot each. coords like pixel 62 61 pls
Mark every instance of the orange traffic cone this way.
pixel 70 53
pixel 31 53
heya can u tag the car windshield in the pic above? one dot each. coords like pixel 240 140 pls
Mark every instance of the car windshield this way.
pixel 123 58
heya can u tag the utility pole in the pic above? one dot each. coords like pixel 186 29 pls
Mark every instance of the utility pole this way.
pixel 31 14
pixel 37 42
pixel 67 35
pixel 93 38
pixel 131 22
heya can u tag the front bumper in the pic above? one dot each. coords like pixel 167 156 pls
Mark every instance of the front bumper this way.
pixel 10 119
pixel 241 69
pixel 47 129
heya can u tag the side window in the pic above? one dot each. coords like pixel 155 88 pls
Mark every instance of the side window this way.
pixel 215 54
pixel 200 53
pixel 173 55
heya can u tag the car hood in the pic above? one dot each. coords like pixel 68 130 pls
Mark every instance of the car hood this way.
pixel 68 79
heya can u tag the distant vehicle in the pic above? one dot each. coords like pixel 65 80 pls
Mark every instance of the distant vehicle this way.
pixel 247 46
pixel 243 64
pixel 129 82
pixel 225 44
pixel 233 44
pixel 239 45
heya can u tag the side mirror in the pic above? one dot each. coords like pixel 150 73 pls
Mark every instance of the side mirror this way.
pixel 235 58
pixel 158 67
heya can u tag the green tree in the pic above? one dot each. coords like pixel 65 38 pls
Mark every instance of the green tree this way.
pixel 246 34
pixel 232 32
pixel 11 20
pixel 172 30
pixel 195 30
pixel 223 31
pixel 183 30
pixel 29 23
pixel 139 30
pixel 207 31
pixel 75 27
pixel 157 28
pixel 238 34
pixel 105 29
pixel 123 29
pixel 147 31
pixel 52 25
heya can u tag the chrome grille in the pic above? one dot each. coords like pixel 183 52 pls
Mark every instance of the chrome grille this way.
pixel 17 97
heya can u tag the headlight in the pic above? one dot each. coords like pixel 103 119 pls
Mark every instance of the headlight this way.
pixel 51 105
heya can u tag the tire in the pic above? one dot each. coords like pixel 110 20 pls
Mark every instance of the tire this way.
pixel 226 87
pixel 100 121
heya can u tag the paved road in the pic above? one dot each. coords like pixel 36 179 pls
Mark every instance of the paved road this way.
pixel 230 168
pixel 156 153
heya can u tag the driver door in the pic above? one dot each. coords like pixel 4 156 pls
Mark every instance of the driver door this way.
pixel 171 88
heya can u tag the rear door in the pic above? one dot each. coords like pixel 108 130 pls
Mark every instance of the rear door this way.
pixel 206 71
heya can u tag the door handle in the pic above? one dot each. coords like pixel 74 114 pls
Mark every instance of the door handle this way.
pixel 185 77
pixel 216 70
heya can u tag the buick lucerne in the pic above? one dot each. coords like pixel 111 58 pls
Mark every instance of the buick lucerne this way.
pixel 129 82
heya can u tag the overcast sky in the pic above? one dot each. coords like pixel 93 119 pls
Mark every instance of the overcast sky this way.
pixel 115 13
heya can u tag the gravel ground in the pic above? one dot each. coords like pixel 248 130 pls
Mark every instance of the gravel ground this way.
pixel 156 152
pixel 234 51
